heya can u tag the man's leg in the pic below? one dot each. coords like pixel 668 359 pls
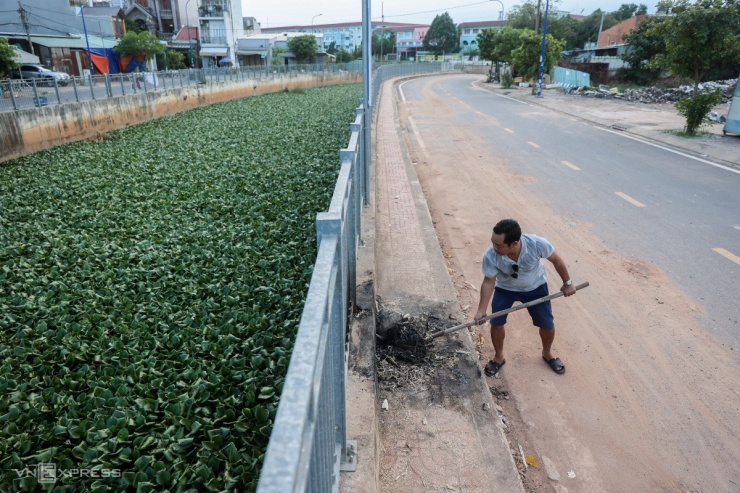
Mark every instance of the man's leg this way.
pixel 547 336
pixel 498 334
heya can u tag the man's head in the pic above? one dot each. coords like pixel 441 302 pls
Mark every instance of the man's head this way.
pixel 506 236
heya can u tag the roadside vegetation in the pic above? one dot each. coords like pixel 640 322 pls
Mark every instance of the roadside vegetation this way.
pixel 151 285
pixel 692 42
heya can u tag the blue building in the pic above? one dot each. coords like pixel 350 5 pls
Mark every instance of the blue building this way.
pixel 469 33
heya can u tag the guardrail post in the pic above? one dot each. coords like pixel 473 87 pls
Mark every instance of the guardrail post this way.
pixel 74 87
pixel 36 100
pixel 12 95
pixel 56 90
pixel 108 88
pixel 90 80
pixel 120 80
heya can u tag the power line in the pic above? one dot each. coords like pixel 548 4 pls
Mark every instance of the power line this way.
pixel 437 10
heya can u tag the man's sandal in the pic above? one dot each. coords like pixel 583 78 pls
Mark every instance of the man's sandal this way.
pixel 556 365
pixel 492 367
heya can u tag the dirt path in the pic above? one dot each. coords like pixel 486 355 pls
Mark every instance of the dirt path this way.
pixel 650 399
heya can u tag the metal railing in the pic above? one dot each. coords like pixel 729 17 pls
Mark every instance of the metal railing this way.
pixel 308 446
pixel 17 94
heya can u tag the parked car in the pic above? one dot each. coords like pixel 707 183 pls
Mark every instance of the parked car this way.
pixel 42 75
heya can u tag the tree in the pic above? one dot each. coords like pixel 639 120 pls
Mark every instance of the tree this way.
pixel 276 52
pixel 381 43
pixel 136 26
pixel 442 35
pixel 171 59
pixel 627 10
pixel 332 49
pixel 304 48
pixel 523 16
pixel 526 58
pixel 344 56
pixel 644 43
pixel 698 37
pixel 588 28
pixel 565 28
pixel 141 45
pixel 7 58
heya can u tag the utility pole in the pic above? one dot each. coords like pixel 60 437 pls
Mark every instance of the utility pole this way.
pixel 537 18
pixel 24 20
pixel 600 28
pixel 382 31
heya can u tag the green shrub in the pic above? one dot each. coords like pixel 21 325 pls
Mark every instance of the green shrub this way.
pixel 695 108
pixel 507 80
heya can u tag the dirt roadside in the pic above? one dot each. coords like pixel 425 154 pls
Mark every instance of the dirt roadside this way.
pixel 633 412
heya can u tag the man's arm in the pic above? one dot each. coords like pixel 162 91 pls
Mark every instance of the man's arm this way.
pixel 486 291
pixel 562 269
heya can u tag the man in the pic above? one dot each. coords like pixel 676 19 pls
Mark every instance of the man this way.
pixel 513 271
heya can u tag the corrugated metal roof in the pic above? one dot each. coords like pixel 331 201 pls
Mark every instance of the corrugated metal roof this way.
pixel 25 57
pixel 213 52
pixel 70 42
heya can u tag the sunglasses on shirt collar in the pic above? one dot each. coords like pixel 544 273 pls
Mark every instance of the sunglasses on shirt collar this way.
pixel 515 268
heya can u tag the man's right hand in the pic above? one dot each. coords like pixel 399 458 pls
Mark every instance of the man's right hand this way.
pixel 479 316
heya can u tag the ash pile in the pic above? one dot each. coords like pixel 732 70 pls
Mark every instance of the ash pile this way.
pixel 652 95
pixel 403 354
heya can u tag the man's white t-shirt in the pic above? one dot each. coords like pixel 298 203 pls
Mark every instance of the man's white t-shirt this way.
pixel 531 269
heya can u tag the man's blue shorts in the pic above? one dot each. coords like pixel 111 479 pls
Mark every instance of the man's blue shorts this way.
pixel 541 314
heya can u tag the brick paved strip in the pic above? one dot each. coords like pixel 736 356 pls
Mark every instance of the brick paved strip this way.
pixel 402 257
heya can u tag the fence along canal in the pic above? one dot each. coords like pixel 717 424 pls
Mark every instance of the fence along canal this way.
pixel 308 446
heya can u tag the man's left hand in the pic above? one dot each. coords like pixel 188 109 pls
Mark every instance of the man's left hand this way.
pixel 568 290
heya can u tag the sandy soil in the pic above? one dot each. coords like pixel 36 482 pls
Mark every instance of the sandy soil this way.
pixel 650 399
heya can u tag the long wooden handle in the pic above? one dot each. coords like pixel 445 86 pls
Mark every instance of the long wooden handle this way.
pixel 508 310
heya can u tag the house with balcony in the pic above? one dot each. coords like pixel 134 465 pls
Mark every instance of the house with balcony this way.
pixel 409 39
pixel 220 24
pixel 469 34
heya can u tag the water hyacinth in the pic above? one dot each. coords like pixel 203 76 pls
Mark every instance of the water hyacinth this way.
pixel 151 284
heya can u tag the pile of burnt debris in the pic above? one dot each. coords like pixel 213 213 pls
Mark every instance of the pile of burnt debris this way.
pixel 403 351
pixel 651 95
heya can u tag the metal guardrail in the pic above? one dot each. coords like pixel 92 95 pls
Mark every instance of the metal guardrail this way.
pixel 17 94
pixel 308 446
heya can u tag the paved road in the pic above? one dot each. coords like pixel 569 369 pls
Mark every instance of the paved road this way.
pixel 650 397
pixel 673 211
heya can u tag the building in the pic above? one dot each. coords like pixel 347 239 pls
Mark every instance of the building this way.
pixel 220 24
pixel 55 32
pixel 469 33
pixel 345 35
pixel 615 34
pixel 408 39
pixel 602 59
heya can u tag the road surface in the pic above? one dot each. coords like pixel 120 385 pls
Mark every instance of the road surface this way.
pixel 650 398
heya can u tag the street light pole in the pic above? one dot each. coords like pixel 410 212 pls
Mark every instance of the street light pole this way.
pixel 312 18
pixel 190 43
pixel 542 53
pixel 502 9
pixel 87 42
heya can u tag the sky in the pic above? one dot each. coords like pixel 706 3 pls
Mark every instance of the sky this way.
pixel 277 13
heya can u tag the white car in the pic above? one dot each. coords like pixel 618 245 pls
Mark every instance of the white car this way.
pixel 42 75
